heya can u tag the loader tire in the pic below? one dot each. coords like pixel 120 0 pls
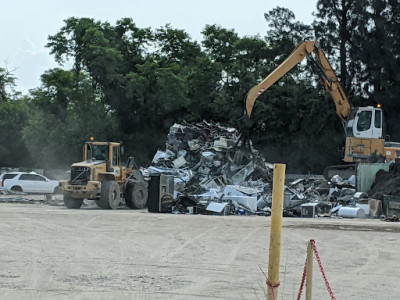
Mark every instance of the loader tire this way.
pixel 136 195
pixel 109 196
pixel 72 203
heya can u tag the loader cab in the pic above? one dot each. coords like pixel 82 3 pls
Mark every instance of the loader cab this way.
pixel 365 122
pixel 99 152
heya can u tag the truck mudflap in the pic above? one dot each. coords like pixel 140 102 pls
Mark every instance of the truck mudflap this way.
pixel 90 191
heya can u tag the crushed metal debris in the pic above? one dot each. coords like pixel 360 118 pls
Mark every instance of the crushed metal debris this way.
pixel 215 173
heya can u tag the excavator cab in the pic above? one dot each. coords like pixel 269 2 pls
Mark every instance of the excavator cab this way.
pixel 365 122
pixel 365 133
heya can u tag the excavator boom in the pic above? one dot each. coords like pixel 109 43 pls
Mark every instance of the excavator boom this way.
pixel 331 84
pixel 319 62
pixel 364 126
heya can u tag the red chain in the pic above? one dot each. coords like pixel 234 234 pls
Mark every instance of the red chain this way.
pixel 303 279
pixel 322 272
pixel 272 286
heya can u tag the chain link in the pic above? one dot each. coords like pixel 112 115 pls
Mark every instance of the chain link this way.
pixel 322 272
pixel 322 269
pixel 303 279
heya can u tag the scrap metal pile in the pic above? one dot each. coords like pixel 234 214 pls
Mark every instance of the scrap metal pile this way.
pixel 311 197
pixel 215 172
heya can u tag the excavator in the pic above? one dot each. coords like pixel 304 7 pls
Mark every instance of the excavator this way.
pixel 364 126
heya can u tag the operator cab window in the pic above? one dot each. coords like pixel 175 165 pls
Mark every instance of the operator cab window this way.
pixel 100 152
pixel 115 156
pixel 378 119
pixel 364 120
pixel 350 122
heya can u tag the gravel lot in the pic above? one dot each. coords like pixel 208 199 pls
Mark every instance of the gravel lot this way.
pixel 50 252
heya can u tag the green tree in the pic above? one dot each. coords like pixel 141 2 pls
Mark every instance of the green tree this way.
pixel 284 31
pixel 146 91
pixel 7 85
pixel 237 65
pixel 13 116
pixel 337 25
pixel 179 53
pixel 64 112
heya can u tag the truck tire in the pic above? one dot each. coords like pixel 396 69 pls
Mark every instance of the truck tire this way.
pixel 136 194
pixel 72 203
pixel 109 196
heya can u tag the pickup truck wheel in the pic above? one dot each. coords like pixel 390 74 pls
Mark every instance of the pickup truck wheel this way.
pixel 136 195
pixel 72 203
pixel 109 196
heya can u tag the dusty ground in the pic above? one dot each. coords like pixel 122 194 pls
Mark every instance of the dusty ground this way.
pixel 50 252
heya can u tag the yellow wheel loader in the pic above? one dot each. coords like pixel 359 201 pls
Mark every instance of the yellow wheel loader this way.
pixel 101 177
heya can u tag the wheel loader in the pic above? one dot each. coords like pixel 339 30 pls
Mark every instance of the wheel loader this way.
pixel 101 177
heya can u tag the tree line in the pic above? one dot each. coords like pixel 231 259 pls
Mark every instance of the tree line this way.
pixel 131 84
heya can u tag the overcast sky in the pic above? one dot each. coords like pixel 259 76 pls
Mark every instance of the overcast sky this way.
pixel 26 24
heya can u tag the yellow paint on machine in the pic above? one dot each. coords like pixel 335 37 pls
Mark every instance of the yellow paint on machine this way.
pixel 392 153
pixel 360 148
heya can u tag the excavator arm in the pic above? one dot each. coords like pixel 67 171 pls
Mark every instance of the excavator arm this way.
pixel 320 64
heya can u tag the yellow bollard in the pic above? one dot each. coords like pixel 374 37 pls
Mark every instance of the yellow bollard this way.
pixel 309 270
pixel 276 231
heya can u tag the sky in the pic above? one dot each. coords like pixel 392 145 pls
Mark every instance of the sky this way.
pixel 26 24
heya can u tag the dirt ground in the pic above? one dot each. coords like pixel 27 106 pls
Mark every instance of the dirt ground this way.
pixel 50 252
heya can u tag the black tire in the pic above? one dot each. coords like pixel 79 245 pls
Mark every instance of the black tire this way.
pixel 16 188
pixel 136 195
pixel 72 203
pixel 109 196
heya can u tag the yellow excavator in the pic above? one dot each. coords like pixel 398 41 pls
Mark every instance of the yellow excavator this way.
pixel 364 126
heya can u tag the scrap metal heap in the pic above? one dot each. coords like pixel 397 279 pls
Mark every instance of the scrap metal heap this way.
pixel 215 172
